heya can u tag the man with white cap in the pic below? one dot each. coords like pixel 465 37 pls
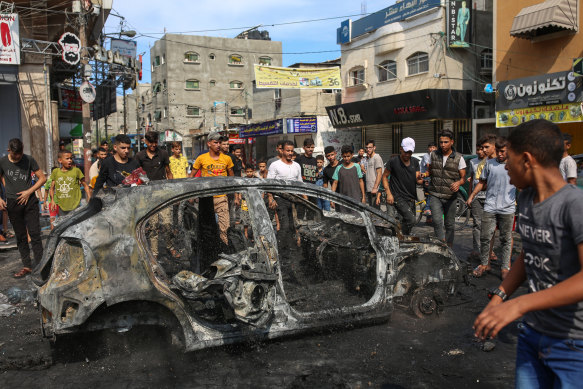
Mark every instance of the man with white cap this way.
pixel 402 188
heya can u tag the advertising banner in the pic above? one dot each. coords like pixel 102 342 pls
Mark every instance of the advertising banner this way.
pixel 546 89
pixel 459 33
pixel 9 40
pixel 124 47
pixel 235 140
pixel 302 125
pixel 266 128
pixel 291 78
pixel 557 113
pixel 69 99
pixel 395 13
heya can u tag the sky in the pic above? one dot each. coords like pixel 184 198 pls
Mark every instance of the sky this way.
pixel 149 18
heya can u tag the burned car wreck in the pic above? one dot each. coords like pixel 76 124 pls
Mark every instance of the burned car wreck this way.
pixel 152 255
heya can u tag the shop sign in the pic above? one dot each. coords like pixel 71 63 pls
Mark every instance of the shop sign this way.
pixel 292 78
pixel 69 99
pixel 87 92
pixel 547 89
pixel 459 31
pixel 395 13
pixel 267 128
pixel 124 47
pixel 557 113
pixel 10 40
pixel 302 125
pixel 115 57
pixel 235 140
pixel 71 46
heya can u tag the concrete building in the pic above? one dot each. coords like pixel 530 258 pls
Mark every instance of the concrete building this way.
pixel 535 44
pixel 410 71
pixel 201 83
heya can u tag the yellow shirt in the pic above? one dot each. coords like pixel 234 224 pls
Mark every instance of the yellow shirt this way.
pixel 213 168
pixel 178 166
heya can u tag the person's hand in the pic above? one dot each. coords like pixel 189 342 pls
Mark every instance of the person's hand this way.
pixel 374 191
pixel 496 316
pixel 53 206
pixel 272 204
pixel 390 199
pixel 237 201
pixel 46 205
pixel 23 196
pixel 455 186
pixel 363 200
pixel 2 205
pixel 469 201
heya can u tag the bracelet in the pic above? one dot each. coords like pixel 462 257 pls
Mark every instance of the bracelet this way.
pixel 498 293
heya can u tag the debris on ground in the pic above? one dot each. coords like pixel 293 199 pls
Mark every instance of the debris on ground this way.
pixel 488 346
pixel 455 351
pixel 17 295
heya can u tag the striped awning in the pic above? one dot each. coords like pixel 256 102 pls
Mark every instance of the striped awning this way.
pixel 545 18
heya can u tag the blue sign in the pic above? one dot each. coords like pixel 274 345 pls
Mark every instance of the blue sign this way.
pixel 394 13
pixel 344 32
pixel 302 125
pixel 266 128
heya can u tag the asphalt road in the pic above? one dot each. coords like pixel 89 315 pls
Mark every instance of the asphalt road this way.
pixel 405 352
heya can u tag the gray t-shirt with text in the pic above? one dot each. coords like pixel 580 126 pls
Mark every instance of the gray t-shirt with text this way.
pixel 372 164
pixel 500 193
pixel 550 232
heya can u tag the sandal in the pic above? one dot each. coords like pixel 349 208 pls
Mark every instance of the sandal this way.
pixel 493 256
pixel 24 271
pixel 480 270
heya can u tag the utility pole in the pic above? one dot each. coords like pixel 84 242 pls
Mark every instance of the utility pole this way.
pixel 125 129
pixel 138 123
pixel 85 110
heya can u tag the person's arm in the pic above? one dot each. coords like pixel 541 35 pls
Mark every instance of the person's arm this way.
pixel 497 314
pixel 427 171
pixel 480 186
pixel 102 177
pixel 169 174
pixel 2 202
pixel 385 178
pixel 455 186
pixel 52 193
pixel 230 172
pixel 361 182
pixel 377 182
pixel 87 189
pixel 25 194
pixel 195 167
pixel 418 178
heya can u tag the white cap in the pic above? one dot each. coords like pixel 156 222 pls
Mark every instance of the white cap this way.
pixel 408 144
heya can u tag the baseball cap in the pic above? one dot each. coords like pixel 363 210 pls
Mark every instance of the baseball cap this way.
pixel 408 144
pixel 214 136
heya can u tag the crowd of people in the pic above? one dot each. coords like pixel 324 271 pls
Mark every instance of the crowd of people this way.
pixel 530 171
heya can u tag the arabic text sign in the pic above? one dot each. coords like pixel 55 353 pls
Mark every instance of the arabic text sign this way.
pixel 394 13
pixel 302 125
pixel 9 40
pixel 290 78
pixel 124 47
pixel 558 113
pixel 266 128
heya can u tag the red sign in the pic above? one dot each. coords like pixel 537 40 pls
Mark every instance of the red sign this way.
pixel 235 140
pixel 409 109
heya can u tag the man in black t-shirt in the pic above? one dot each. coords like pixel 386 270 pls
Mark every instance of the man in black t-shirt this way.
pixel 154 160
pixel 402 188
pixel 117 166
pixel 330 154
pixel 238 164
pixel 308 163
pixel 21 203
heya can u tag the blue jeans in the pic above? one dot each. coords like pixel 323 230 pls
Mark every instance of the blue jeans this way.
pixel 546 362
pixel 444 227
pixel 323 204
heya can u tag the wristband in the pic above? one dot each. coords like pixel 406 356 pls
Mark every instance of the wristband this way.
pixel 498 293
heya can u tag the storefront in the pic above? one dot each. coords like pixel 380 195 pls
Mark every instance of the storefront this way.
pixel 419 115
pixel 556 97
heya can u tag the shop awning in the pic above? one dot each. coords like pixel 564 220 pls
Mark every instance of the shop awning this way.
pixel 545 18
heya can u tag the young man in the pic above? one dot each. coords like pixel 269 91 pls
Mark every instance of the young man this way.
pixel 307 162
pixel 216 164
pixel 262 172
pixel 118 166
pixel 447 170
pixel 348 178
pixel 178 162
pixel 475 167
pixel 66 184
pixel 21 203
pixel 358 158
pixel 426 160
pixel 374 173
pixel 499 208
pixel 329 170
pixel 551 227
pixel 568 166
pixel 94 170
pixel 237 158
pixel 402 188
pixel 286 168
pixel 278 153
pixel 153 159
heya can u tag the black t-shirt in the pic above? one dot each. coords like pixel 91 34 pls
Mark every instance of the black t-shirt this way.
pixel 403 181
pixel 329 173
pixel 309 168
pixel 154 167
pixel 112 172
pixel 237 165
pixel 18 176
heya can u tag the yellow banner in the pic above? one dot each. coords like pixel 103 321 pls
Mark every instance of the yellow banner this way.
pixel 558 113
pixel 290 78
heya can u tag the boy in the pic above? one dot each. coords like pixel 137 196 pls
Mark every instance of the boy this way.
pixel 307 162
pixel 244 215
pixel 262 172
pixel 550 224
pixel 568 165
pixel 322 204
pixel 178 162
pixel 477 207
pixel 499 208
pixel 348 177
pixel 153 159
pixel 329 170
pixel 67 180
pixel 118 166
pixel 22 205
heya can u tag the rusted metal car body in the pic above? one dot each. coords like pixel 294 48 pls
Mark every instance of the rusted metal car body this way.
pixel 103 266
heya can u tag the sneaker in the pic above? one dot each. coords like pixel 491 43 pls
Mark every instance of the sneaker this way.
pixel 2 238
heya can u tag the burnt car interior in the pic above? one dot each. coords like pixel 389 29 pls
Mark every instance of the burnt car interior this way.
pixel 326 258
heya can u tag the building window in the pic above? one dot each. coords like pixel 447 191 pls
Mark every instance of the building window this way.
pixel 277 98
pixel 235 85
pixel 235 59
pixel 165 114
pixel 156 61
pixel 486 59
pixel 265 61
pixel 191 56
pixel 213 83
pixel 237 111
pixel 163 59
pixel 164 85
pixel 157 115
pixel 387 70
pixel 192 111
pixel 418 63
pixel 356 76
pixel 192 84
pixel 156 88
pixel 212 56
